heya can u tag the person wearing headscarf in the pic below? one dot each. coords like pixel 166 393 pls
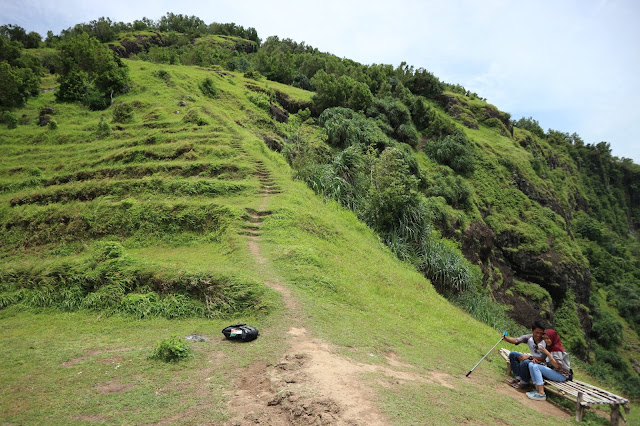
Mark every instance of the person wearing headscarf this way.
pixel 557 366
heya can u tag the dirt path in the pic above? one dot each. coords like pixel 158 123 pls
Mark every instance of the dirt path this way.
pixel 311 383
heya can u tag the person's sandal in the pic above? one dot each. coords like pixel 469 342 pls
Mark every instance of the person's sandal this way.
pixel 520 385
pixel 513 382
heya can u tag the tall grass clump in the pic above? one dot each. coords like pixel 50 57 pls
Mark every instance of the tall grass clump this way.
pixel 192 116
pixel 113 283
pixel 122 113
pixel 30 227
pixel 446 267
pixel 453 151
pixel 208 88
pixel 480 306
pixel 172 349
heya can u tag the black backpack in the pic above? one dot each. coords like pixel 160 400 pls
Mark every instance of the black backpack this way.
pixel 241 332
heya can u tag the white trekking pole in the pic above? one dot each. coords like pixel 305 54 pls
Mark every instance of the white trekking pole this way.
pixel 494 346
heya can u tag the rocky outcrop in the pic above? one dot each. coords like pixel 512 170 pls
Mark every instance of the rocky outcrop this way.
pixel 489 111
pixel 290 104
pixel 457 109
pixel 140 43
pixel 278 114
pixel 535 194
pixel 503 260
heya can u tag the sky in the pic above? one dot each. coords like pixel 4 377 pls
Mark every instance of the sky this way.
pixel 571 65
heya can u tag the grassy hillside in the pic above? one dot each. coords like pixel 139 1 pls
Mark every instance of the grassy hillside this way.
pixel 355 293
pixel 182 208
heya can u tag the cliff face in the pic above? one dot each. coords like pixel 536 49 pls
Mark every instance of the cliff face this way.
pixel 539 198
pixel 503 263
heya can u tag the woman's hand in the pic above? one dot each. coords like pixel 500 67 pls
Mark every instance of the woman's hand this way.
pixel 544 351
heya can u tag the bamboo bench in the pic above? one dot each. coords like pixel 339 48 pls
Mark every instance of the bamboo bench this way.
pixel 583 394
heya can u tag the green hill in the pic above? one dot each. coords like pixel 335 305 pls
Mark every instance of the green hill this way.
pixel 360 216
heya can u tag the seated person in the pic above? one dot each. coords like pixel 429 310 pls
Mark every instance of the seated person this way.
pixel 556 366
pixel 520 361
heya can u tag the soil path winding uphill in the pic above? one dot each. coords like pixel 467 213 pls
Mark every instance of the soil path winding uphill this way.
pixel 312 383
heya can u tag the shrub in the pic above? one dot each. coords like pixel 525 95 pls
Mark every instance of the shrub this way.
pixel 109 250
pixel 207 88
pixel 304 114
pixel 96 100
pixel 606 330
pixel 531 125
pixel 407 133
pixel 483 308
pixel 52 124
pixel 104 129
pixel 162 75
pixel 122 113
pixel 9 119
pixel 446 267
pixel 396 118
pixel 424 83
pixel 568 325
pixel 253 74
pixel 393 190
pixel 172 349
pixel 238 63
pixel 345 127
pixel 73 86
pixel 302 81
pixel 140 305
pixel 261 100
pixel 343 91
pixel 453 151
pixel 422 113
pixel 192 116
pixel 627 297
pixel 588 227
pixel 454 189
pixel 393 111
pixel 440 126
pixel 107 298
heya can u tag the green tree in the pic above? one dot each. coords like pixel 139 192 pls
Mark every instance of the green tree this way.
pixel 345 127
pixel 17 85
pixel 531 125
pixel 453 151
pixel 9 50
pixel 393 191
pixel 18 34
pixel 87 63
pixel 342 91
pixel 419 82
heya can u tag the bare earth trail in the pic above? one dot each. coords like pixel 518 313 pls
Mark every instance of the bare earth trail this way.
pixel 312 383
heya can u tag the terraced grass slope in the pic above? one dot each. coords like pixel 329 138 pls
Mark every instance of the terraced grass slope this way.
pixel 152 177
pixel 196 218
